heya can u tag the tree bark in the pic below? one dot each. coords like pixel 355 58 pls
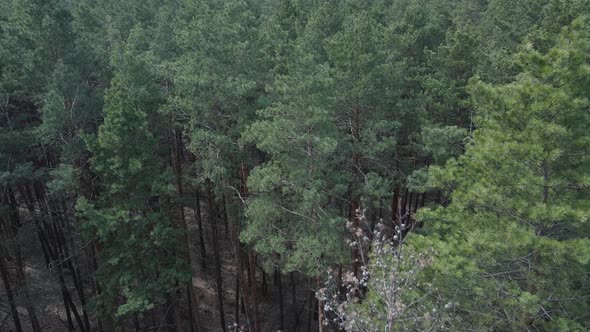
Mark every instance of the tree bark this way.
pixel 183 224
pixel 68 259
pixel 9 295
pixel 396 209
pixel 252 263
pixel 251 312
pixel 355 206
pixel 237 311
pixel 225 219
pixel 264 284
pixel 13 225
pixel 218 278
pixel 20 272
pixel 281 309
pixel 198 216
pixel 310 302
pixel 320 309
pixel 294 301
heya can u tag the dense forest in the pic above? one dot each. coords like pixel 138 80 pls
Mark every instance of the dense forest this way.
pixel 294 165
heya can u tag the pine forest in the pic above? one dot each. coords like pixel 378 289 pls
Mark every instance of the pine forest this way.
pixel 294 165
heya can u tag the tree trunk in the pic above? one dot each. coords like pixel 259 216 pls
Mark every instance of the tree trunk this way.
pixel 320 309
pixel 237 311
pixel 395 206
pixel 281 309
pixel 310 303
pixel 183 225
pixel 264 284
pixel 355 206
pixel 409 208
pixel 250 311
pixel 48 253
pixel 404 206
pixel 356 260
pixel 68 260
pixel 242 280
pixel 294 301
pixel 14 224
pixel 198 216
pixel 218 278
pixel 20 272
pixel 8 289
pixel 252 263
pixel 136 323
pixel 225 219
pixel 95 286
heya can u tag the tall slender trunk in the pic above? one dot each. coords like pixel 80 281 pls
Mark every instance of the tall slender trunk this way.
pixel 355 206
pixel 136 323
pixel 225 218
pixel 409 208
pixel 405 205
pixel 183 225
pixel 237 299
pixel 416 203
pixel 56 252
pixel 250 311
pixel 69 301
pixel 281 309
pixel 356 260
pixel 395 207
pixel 14 224
pixel 198 216
pixel 320 309
pixel 310 303
pixel 48 253
pixel 252 264
pixel 8 289
pixel 20 272
pixel 421 223
pixel 340 286
pixel 243 290
pixel 71 326
pixel 68 259
pixel 264 284
pixel 68 244
pixel 218 278
pixel 94 250
pixel 170 313
pixel 294 301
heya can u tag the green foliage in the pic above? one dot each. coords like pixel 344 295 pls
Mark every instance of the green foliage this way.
pixel 331 105
pixel 291 214
pixel 131 220
pixel 513 246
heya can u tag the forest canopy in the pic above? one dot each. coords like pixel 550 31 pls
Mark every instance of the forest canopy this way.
pixel 294 165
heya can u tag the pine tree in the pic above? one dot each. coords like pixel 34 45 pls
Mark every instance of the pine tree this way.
pixel 292 213
pixel 139 264
pixel 512 245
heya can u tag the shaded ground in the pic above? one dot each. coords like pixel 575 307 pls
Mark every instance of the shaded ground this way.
pixel 46 293
pixel 205 288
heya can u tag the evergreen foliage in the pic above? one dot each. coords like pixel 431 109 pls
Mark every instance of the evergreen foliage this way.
pixel 320 136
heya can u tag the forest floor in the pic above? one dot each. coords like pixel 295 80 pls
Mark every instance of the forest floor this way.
pixel 43 288
pixel 46 293
pixel 295 312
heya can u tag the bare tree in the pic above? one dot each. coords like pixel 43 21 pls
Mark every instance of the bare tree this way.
pixel 387 295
